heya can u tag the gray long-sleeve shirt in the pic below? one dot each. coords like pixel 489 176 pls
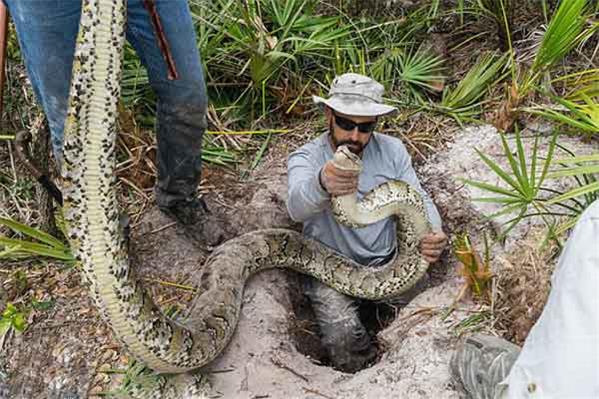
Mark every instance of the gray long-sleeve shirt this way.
pixel 384 158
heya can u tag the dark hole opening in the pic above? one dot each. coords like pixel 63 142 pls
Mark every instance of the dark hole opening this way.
pixel 305 331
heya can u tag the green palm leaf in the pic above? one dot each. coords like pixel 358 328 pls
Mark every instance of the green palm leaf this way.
pixel 577 192
pixel 420 68
pixel 32 233
pixel 476 82
pixel 583 116
pixel 565 31
pixel 48 246
pixel 523 185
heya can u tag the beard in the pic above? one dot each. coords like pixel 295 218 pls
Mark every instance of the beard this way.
pixel 354 146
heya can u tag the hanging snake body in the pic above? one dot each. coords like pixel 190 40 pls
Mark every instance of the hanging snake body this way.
pixel 171 347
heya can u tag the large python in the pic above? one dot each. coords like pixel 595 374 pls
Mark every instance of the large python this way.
pixel 174 348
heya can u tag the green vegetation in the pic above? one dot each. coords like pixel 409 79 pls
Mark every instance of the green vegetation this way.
pixel 475 269
pixel 447 63
pixel 42 244
pixel 464 102
pixel 264 59
pixel 579 108
pixel 12 318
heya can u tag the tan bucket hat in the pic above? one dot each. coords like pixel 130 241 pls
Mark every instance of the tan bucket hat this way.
pixel 357 95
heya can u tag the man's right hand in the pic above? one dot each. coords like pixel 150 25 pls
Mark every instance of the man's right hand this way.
pixel 338 181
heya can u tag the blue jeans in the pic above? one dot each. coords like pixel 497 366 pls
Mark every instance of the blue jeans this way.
pixel 47 30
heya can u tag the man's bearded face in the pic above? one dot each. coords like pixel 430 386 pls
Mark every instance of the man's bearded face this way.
pixel 354 139
pixel 354 146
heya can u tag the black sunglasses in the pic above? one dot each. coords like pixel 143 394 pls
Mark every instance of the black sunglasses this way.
pixel 349 125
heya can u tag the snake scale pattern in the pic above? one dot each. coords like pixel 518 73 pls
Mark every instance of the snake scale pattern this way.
pixel 174 348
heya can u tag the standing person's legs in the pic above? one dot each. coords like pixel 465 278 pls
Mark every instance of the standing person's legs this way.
pixel 181 105
pixel 47 30
pixel 181 112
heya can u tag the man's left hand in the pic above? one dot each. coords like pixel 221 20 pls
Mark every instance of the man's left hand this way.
pixel 432 245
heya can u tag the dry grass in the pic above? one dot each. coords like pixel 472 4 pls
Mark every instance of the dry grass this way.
pixel 423 133
pixel 17 189
pixel 523 286
pixel 518 293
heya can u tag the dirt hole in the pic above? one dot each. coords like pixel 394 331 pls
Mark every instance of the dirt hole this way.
pixel 305 331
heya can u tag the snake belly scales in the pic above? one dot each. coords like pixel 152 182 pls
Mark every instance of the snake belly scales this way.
pixel 174 348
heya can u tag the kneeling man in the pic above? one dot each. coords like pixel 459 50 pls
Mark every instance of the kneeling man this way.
pixel 352 110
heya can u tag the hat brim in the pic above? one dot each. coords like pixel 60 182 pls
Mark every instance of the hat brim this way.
pixel 349 106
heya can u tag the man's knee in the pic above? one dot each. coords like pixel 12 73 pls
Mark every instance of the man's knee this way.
pixel 329 304
pixel 344 337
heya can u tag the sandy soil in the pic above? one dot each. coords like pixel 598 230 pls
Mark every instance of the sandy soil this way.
pixel 66 351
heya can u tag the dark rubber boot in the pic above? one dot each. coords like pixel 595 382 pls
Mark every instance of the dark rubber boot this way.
pixel 197 221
